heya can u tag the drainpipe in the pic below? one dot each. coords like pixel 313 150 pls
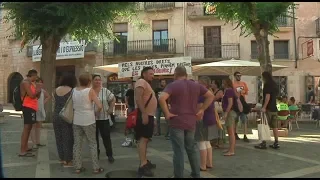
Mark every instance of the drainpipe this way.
pixel 296 55
pixel 184 27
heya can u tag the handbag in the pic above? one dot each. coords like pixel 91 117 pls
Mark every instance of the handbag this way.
pixel 218 119
pixel 218 107
pixel 264 129
pixel 67 111
pixel 104 114
pixel 131 121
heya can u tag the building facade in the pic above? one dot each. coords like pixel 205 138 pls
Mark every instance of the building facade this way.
pixel 177 29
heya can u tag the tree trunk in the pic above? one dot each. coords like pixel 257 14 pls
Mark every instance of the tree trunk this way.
pixel 263 50
pixel 50 45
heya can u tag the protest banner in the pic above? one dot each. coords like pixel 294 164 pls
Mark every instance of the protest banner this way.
pixel 164 66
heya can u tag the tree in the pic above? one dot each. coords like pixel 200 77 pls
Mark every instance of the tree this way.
pixel 257 18
pixel 50 22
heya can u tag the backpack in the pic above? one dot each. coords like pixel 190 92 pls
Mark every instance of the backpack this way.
pixel 16 99
pixel 245 105
pixel 237 105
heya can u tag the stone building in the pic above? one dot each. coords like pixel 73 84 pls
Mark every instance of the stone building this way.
pixel 184 29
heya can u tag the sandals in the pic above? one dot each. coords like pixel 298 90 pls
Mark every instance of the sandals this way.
pixel 98 171
pixel 203 169
pixel 228 154
pixel 67 165
pixel 78 171
pixel 26 155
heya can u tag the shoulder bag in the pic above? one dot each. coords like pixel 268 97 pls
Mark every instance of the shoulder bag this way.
pixel 104 112
pixel 67 111
pixel 132 117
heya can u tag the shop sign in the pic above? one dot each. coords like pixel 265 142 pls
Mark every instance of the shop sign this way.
pixel 164 66
pixel 114 78
pixel 67 50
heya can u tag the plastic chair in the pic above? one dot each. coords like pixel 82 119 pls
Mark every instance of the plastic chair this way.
pixel 306 109
pixel 293 113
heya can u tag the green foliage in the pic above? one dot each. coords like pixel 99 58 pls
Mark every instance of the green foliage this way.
pixel 82 20
pixel 251 17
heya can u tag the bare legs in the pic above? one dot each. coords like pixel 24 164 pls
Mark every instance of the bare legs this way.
pixel 205 155
pixel 35 133
pixel 232 141
pixel 24 138
pixel 143 151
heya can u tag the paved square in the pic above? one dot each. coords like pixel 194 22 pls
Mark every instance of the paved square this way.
pixel 297 157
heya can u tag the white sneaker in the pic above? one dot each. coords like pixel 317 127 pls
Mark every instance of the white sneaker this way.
pixel 127 142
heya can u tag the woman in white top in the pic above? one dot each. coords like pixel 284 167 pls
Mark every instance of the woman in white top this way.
pixel 84 124
pixel 40 117
pixel 103 121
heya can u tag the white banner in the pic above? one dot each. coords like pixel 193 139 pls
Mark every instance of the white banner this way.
pixel 165 66
pixel 67 50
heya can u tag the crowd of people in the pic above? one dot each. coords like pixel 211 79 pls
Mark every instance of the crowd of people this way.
pixel 195 112
pixel 92 106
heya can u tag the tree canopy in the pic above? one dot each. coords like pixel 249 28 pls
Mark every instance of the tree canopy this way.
pixel 49 22
pixel 257 18
pixel 81 20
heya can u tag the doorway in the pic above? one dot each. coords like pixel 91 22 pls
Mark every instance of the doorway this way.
pixel 212 41
pixel 62 70
pixel 14 80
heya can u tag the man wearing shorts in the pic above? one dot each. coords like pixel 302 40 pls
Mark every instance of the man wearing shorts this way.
pixel 269 107
pixel 147 104
pixel 241 89
pixel 29 95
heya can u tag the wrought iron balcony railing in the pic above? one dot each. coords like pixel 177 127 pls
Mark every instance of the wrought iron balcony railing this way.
pixel 158 5
pixel 283 21
pixel 140 47
pixel 223 51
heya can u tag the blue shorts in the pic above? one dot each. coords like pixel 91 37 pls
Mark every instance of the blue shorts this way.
pixel 243 118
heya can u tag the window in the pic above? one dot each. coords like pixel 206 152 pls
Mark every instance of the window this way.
pixel 254 50
pixel 120 30
pixel 281 49
pixel 160 36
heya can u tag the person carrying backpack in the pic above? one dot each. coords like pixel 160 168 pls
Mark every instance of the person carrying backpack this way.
pixel 25 99
pixel 242 90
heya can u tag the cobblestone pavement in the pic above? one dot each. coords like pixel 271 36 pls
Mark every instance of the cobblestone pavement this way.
pixel 298 156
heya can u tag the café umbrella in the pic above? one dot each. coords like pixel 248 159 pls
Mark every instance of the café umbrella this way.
pixel 112 68
pixel 228 67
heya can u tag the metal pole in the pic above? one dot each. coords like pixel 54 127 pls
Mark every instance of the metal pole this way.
pixel 295 38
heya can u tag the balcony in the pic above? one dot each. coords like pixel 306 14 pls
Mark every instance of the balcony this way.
pixel 140 47
pixel 318 27
pixel 156 6
pixel 200 52
pixel 284 22
pixel 198 11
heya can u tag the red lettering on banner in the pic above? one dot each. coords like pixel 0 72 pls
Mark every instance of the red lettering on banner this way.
pixel 162 71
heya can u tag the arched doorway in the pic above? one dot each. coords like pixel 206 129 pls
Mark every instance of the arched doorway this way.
pixel 13 81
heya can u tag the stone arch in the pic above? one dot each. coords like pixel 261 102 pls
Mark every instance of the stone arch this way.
pixel 14 80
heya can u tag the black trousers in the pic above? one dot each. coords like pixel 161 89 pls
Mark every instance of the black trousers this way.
pixel 103 127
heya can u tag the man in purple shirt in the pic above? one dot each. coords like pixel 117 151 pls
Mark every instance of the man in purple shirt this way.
pixel 182 118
